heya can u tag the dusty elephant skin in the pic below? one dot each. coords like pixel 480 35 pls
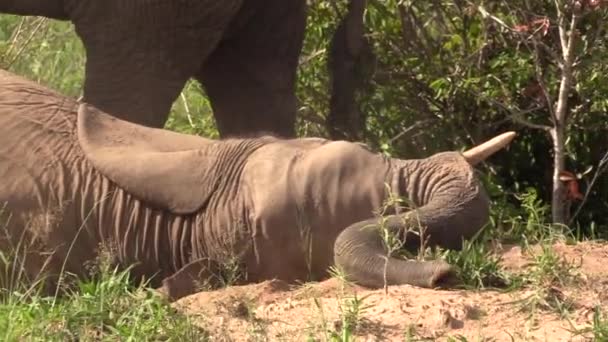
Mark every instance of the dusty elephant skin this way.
pixel 180 206
pixel 140 54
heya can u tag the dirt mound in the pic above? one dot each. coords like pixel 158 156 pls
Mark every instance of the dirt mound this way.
pixel 275 311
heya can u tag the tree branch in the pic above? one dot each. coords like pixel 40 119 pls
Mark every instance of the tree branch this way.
pixel 307 59
pixel 561 26
pixel 566 79
pixel 551 52
pixel 517 116
pixel 408 129
pixel 540 79
pixel 486 14
pixel 601 168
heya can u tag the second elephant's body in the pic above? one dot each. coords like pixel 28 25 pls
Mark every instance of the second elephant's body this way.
pixel 140 53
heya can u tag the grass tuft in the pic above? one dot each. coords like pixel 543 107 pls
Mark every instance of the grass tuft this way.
pixel 107 308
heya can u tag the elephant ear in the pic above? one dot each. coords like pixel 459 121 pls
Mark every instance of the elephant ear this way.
pixel 167 170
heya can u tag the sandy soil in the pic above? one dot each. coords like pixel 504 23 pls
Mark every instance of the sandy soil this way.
pixel 274 311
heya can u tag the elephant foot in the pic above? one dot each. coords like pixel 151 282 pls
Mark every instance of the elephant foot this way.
pixel 444 275
pixel 188 280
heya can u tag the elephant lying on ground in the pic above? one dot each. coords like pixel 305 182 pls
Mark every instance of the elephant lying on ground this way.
pixel 244 52
pixel 77 181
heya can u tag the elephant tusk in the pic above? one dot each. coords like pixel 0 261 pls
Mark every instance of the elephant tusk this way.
pixel 486 149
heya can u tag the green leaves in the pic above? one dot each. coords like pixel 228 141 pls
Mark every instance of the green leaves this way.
pixel 43 50
pixel 468 75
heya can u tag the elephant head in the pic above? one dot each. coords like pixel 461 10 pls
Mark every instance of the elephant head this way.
pixel 180 173
pixel 448 204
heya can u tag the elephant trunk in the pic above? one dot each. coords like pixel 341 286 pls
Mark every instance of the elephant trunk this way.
pixel 448 204
pixel 362 254
pixel 48 8
pixel 452 207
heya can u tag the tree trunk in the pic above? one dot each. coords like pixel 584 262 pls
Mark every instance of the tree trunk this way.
pixel 558 211
pixel 558 132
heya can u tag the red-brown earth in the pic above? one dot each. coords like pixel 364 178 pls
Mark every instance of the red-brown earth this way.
pixel 274 311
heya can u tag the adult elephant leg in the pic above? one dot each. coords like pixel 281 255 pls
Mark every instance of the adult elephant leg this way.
pixel 46 8
pixel 140 91
pixel 250 77
pixel 349 61
pixel 140 54
pixel 189 279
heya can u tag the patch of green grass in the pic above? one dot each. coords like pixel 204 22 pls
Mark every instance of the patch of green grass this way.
pixel 191 113
pixel 351 308
pixel 598 328
pixel 108 308
pixel 478 266
pixel 526 224
pixel 411 334
pixel 345 328
pixel 104 305
pixel 600 325
pixel 547 274
pixel 43 50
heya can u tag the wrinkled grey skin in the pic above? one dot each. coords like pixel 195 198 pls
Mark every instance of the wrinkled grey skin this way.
pixel 140 54
pixel 75 179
